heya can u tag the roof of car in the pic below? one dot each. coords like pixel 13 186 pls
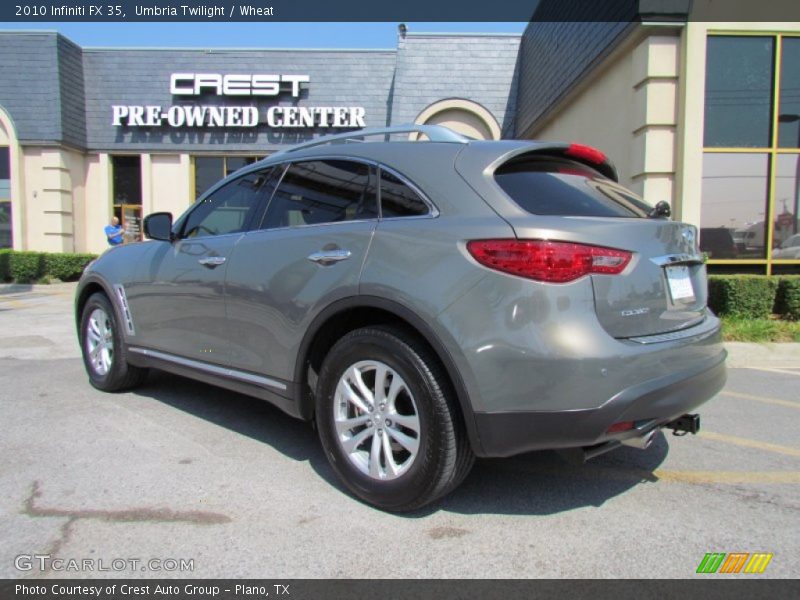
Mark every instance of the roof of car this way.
pixel 423 144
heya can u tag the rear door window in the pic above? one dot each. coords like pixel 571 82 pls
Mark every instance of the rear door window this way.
pixel 398 199
pixel 323 191
pixel 556 186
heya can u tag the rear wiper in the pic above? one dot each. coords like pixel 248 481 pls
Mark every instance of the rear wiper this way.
pixel 661 210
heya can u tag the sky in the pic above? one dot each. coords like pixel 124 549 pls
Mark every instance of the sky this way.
pixel 250 35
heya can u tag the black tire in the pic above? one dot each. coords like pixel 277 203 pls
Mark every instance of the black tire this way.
pixel 444 456
pixel 120 375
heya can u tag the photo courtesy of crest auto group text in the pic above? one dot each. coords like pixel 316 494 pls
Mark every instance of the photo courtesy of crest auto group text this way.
pixel 282 299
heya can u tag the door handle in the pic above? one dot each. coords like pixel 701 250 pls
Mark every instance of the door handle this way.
pixel 212 261
pixel 329 257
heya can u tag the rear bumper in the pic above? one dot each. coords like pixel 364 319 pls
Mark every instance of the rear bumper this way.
pixel 649 404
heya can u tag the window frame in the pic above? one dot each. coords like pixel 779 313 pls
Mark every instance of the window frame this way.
pixel 179 227
pixel 286 166
pixel 772 151
pixel 375 170
pixel 433 212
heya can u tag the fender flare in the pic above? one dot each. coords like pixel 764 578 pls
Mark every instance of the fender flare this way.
pixel 305 403
pixel 94 278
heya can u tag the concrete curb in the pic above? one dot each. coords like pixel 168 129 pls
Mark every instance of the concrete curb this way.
pixel 39 288
pixel 760 356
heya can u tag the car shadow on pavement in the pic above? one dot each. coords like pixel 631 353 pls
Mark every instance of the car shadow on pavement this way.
pixel 241 414
pixel 543 483
pixel 538 483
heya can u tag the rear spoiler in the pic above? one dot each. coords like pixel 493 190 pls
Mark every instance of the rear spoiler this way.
pixel 587 155
pixel 486 157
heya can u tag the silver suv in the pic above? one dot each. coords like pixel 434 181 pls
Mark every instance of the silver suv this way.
pixel 422 302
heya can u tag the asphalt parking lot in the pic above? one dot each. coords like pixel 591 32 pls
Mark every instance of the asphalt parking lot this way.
pixel 180 470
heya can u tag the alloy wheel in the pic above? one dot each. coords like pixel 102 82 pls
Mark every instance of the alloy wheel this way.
pixel 100 341
pixel 377 421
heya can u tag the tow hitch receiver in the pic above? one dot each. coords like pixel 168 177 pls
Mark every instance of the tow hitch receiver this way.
pixel 685 424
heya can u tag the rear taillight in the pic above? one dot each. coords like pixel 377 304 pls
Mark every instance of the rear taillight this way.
pixel 542 260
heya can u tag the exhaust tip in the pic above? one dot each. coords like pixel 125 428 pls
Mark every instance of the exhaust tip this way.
pixel 642 442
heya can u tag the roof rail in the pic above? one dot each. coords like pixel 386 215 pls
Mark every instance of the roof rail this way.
pixel 434 133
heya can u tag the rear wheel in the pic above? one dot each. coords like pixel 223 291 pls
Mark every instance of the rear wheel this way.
pixel 103 349
pixel 387 420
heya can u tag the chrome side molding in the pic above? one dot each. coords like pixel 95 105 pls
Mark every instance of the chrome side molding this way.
pixel 213 369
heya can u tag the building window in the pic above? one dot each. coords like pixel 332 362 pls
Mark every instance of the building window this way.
pixel 735 199
pixel 739 81
pixel 127 192
pixel 6 240
pixel 785 204
pixel 789 105
pixel 208 170
pixel 751 162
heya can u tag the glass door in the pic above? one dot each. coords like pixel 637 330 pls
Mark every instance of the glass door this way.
pixel 131 222
pixel 127 190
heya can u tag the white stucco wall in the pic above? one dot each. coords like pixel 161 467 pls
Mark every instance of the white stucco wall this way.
pixel 170 183
pixel 52 183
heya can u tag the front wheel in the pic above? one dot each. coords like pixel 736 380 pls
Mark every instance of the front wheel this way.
pixel 388 422
pixel 103 349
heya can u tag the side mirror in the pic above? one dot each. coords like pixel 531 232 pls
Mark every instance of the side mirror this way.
pixel 158 226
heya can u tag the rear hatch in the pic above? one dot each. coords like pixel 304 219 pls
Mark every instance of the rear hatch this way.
pixel 549 194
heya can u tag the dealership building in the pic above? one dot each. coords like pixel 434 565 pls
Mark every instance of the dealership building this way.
pixel 705 115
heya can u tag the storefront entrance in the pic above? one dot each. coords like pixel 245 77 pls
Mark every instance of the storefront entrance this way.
pixel 130 216
pixel 127 190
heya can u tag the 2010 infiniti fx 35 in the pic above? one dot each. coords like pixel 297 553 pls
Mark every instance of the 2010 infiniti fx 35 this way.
pixel 424 302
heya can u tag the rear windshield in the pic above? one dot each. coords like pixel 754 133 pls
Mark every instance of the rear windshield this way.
pixel 556 186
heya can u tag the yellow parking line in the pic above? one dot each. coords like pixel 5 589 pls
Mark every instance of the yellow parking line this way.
pixel 748 443
pixel 12 303
pixel 631 474
pixel 622 473
pixel 732 477
pixel 776 401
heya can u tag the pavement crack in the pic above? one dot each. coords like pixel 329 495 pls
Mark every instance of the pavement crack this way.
pixel 130 515
pixel 65 533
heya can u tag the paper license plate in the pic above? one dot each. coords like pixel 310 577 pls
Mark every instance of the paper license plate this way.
pixel 680 283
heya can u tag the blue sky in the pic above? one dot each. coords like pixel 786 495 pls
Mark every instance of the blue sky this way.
pixel 266 35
